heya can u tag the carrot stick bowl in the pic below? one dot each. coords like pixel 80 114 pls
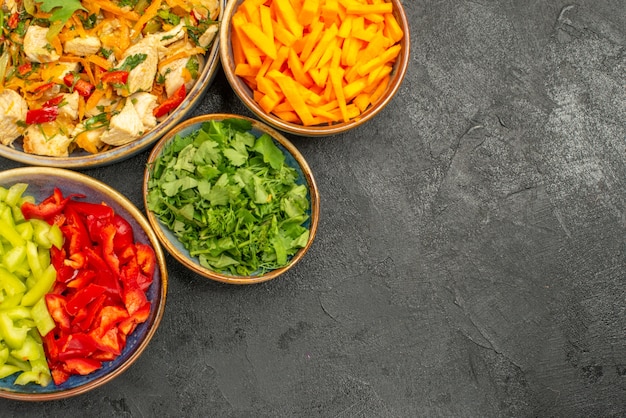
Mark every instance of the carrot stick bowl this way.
pixel 315 67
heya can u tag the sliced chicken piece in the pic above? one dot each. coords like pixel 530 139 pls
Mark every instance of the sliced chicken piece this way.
pixel 13 109
pixel 83 47
pixel 109 33
pixel 207 37
pixel 69 106
pixel 144 105
pixel 142 76
pixel 125 127
pixel 175 34
pixel 36 46
pixel 57 70
pixel 205 9
pixel 46 139
pixel 174 74
pixel 11 5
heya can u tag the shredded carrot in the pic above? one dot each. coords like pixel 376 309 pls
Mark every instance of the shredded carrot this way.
pixel 94 99
pixel 82 141
pixel 87 68
pixel 116 10
pixel 148 14
pixel 316 61
pixel 100 62
pixel 182 54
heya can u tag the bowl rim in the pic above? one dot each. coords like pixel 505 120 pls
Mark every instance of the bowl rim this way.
pixel 118 154
pixel 242 90
pixel 158 227
pixel 138 217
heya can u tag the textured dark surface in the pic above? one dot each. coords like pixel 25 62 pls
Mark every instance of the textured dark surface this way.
pixel 470 260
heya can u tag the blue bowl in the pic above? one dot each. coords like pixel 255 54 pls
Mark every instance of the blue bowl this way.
pixel 41 183
pixel 292 157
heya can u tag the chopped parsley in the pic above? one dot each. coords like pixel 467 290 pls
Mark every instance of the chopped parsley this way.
pixel 62 10
pixel 132 61
pixel 230 198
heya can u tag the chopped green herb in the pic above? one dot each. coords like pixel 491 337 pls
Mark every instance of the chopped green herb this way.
pixel 230 198
pixel 193 66
pixel 171 18
pixel 98 121
pixel 106 53
pixel 61 10
pixel 132 61
pixel 90 21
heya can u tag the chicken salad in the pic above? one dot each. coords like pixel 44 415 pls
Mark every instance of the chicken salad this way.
pixel 95 74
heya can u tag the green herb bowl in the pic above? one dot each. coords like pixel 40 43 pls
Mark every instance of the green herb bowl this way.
pixel 293 159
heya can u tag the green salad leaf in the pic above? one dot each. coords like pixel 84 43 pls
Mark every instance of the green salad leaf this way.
pixel 230 198
pixel 61 10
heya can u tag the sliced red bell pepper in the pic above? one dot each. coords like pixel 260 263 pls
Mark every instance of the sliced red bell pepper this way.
pixel 100 211
pixel 107 340
pixel 43 87
pixel 132 276
pixel 134 299
pixel 14 20
pixel 48 208
pixel 107 236
pixel 96 262
pixel 58 288
pixel 56 307
pixel 100 294
pixel 140 316
pixel 59 376
pixel 75 231
pixel 76 261
pixel 84 88
pixel 84 319
pixel 171 103
pixel 104 355
pixel 146 259
pixel 51 346
pixel 42 115
pixel 115 77
pixel 128 255
pixel 25 68
pixel 77 344
pixel 82 366
pixel 55 101
pixel 81 298
pixel 82 278
pixel 65 273
pixel 111 315
pixel 123 233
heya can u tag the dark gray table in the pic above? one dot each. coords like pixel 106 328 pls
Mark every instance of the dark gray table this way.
pixel 470 260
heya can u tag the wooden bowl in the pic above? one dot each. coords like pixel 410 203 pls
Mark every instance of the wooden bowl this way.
pixel 41 183
pixel 245 93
